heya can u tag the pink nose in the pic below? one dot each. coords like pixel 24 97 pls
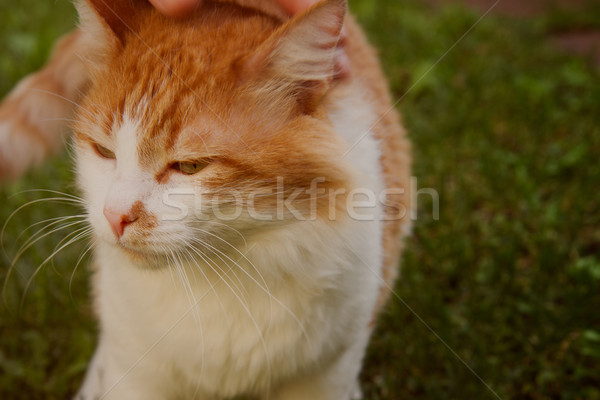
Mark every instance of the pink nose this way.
pixel 118 221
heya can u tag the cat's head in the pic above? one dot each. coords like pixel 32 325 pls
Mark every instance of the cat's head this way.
pixel 206 128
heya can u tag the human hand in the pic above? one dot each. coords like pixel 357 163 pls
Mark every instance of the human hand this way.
pixel 175 8
pixel 178 8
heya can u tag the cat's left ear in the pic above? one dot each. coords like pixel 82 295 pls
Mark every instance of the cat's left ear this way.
pixel 107 22
pixel 300 55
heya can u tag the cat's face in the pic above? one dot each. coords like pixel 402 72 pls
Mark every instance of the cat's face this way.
pixel 209 129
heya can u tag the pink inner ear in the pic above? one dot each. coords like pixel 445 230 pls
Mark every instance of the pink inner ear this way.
pixel 121 16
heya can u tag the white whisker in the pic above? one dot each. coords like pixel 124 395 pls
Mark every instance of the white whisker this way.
pixel 52 221
pixel 256 326
pixel 59 200
pixel 207 259
pixel 89 247
pixel 265 288
pixel 39 235
pixel 73 237
pixel 30 242
pixel 191 257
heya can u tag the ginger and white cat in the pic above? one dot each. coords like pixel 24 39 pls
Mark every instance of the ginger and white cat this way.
pixel 248 207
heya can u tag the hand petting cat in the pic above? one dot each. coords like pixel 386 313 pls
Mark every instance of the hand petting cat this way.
pixel 178 8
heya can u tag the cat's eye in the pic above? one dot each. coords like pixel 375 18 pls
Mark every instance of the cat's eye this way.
pixel 103 151
pixel 189 167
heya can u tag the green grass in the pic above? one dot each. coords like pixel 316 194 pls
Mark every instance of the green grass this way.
pixel 504 128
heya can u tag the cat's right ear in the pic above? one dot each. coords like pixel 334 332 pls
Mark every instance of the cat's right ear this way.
pixel 108 22
pixel 298 59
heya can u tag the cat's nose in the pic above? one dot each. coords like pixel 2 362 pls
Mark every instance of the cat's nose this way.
pixel 118 221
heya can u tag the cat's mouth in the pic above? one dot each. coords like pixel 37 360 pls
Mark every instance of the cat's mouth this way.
pixel 139 247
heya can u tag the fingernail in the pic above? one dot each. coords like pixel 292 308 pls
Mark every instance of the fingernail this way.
pixel 175 8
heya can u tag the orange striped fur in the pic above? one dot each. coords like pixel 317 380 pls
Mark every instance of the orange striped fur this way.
pixel 225 88
pixel 52 92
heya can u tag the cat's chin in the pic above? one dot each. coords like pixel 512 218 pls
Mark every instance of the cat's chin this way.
pixel 138 254
pixel 134 254
pixel 144 258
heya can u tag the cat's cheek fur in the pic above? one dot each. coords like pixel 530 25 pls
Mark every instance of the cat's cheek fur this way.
pixel 94 177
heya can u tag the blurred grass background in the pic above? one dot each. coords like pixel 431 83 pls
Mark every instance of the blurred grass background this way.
pixel 505 128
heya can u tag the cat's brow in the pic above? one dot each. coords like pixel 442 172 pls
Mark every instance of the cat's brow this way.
pixel 91 137
pixel 187 86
